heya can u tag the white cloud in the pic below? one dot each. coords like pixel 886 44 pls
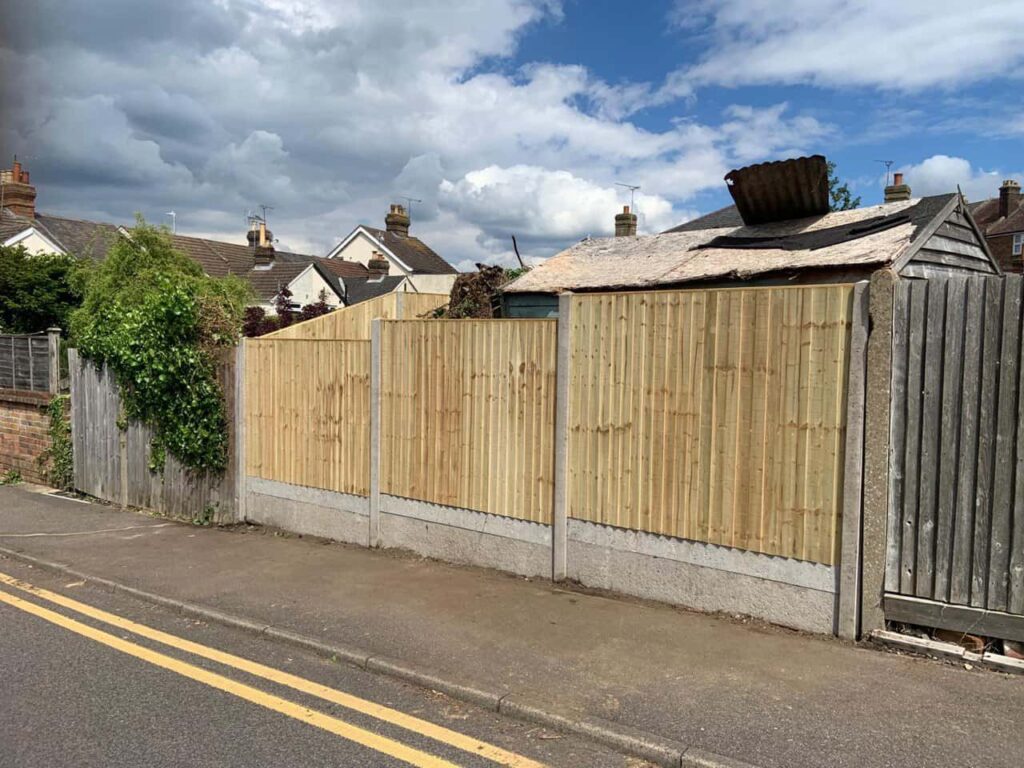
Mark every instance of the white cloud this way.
pixel 330 110
pixel 904 45
pixel 940 174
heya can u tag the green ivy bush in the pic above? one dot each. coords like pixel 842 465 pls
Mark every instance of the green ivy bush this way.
pixel 58 459
pixel 152 316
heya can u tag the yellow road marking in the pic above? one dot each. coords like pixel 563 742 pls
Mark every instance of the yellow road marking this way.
pixel 304 714
pixel 393 716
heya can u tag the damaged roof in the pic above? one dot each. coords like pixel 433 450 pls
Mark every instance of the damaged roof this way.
pixel 859 238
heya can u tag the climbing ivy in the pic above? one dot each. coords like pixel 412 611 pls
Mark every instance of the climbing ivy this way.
pixel 158 322
pixel 58 458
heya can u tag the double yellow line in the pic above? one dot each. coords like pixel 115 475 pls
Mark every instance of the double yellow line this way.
pixel 334 725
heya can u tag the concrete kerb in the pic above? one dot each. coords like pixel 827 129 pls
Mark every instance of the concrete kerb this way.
pixel 636 742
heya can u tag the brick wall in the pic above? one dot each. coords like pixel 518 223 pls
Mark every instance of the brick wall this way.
pixel 24 433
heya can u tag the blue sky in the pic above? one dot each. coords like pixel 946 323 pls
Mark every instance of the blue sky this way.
pixel 504 116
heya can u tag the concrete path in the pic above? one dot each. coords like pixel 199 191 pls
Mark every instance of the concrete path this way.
pixel 766 696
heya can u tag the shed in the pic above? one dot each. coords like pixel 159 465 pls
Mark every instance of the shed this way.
pixel 928 236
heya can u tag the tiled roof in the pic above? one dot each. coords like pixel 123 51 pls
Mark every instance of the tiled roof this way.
pixel 364 289
pixel 85 239
pixel 11 224
pixel 413 252
pixel 986 214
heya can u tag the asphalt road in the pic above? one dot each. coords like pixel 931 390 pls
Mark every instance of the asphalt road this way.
pixel 94 690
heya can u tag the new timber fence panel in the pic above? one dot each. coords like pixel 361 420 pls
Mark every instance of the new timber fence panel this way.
pixel 354 322
pixel 467 414
pixel 111 463
pixel 956 527
pixel 307 412
pixel 712 415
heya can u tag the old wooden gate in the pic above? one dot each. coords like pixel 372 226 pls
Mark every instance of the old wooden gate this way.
pixel 955 550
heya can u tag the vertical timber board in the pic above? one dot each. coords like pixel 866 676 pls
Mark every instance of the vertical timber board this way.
pixel 716 415
pixel 1005 448
pixel 946 474
pixel 897 443
pixel 930 427
pixel 912 454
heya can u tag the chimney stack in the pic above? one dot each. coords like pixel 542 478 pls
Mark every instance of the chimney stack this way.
pixel 18 195
pixel 397 221
pixel 897 191
pixel 378 266
pixel 261 240
pixel 625 223
pixel 1009 198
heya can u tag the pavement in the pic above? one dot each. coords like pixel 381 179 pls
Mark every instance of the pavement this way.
pixel 749 692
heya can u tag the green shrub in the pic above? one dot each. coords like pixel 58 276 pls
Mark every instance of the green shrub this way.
pixel 59 458
pixel 152 316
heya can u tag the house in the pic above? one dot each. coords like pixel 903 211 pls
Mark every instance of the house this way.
pixel 406 256
pixel 265 268
pixel 1002 220
pixel 779 232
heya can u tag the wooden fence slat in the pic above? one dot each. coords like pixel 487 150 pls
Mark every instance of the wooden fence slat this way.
pixel 949 436
pixel 1006 434
pixel 912 473
pixel 931 423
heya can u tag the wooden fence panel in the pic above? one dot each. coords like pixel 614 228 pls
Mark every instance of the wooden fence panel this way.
pixel 467 414
pixel 25 362
pixel 957 457
pixel 712 415
pixel 113 464
pixel 307 412
pixel 354 322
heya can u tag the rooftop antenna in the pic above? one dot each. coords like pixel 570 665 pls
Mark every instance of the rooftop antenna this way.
pixel 264 209
pixel 632 191
pixel 888 165
pixel 174 221
pixel 409 201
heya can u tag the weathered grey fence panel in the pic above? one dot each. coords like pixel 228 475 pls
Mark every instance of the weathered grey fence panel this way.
pixel 956 527
pixel 113 463
pixel 25 362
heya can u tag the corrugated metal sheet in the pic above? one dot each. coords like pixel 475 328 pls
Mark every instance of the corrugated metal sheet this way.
pixel 780 191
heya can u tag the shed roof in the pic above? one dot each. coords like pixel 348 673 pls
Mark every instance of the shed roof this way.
pixel 838 240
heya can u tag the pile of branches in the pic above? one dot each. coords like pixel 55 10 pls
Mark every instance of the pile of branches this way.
pixel 476 294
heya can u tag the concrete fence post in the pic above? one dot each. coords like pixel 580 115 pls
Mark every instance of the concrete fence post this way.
pixel 241 488
pixel 374 537
pixel 876 449
pixel 399 305
pixel 560 507
pixel 848 613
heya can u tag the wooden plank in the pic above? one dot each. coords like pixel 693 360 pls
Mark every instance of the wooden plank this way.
pixel 912 455
pixel 992 334
pixel 978 263
pixel 967 468
pixel 959 232
pixel 898 431
pixel 959 618
pixel 1006 434
pixel 969 251
pixel 931 420
pixel 949 436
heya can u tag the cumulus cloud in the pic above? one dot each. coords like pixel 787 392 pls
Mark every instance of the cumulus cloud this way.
pixel 905 45
pixel 328 110
pixel 940 174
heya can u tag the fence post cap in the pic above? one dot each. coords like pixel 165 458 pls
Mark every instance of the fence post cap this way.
pixel 53 329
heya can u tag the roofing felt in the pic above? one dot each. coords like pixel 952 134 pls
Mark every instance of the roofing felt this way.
pixel 681 257
pixel 413 252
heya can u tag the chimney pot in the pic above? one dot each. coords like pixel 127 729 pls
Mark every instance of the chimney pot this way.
pixel 1009 198
pixel 18 195
pixel 898 191
pixel 397 221
pixel 625 223
pixel 378 266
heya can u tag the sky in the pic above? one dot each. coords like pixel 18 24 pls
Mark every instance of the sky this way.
pixel 502 117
